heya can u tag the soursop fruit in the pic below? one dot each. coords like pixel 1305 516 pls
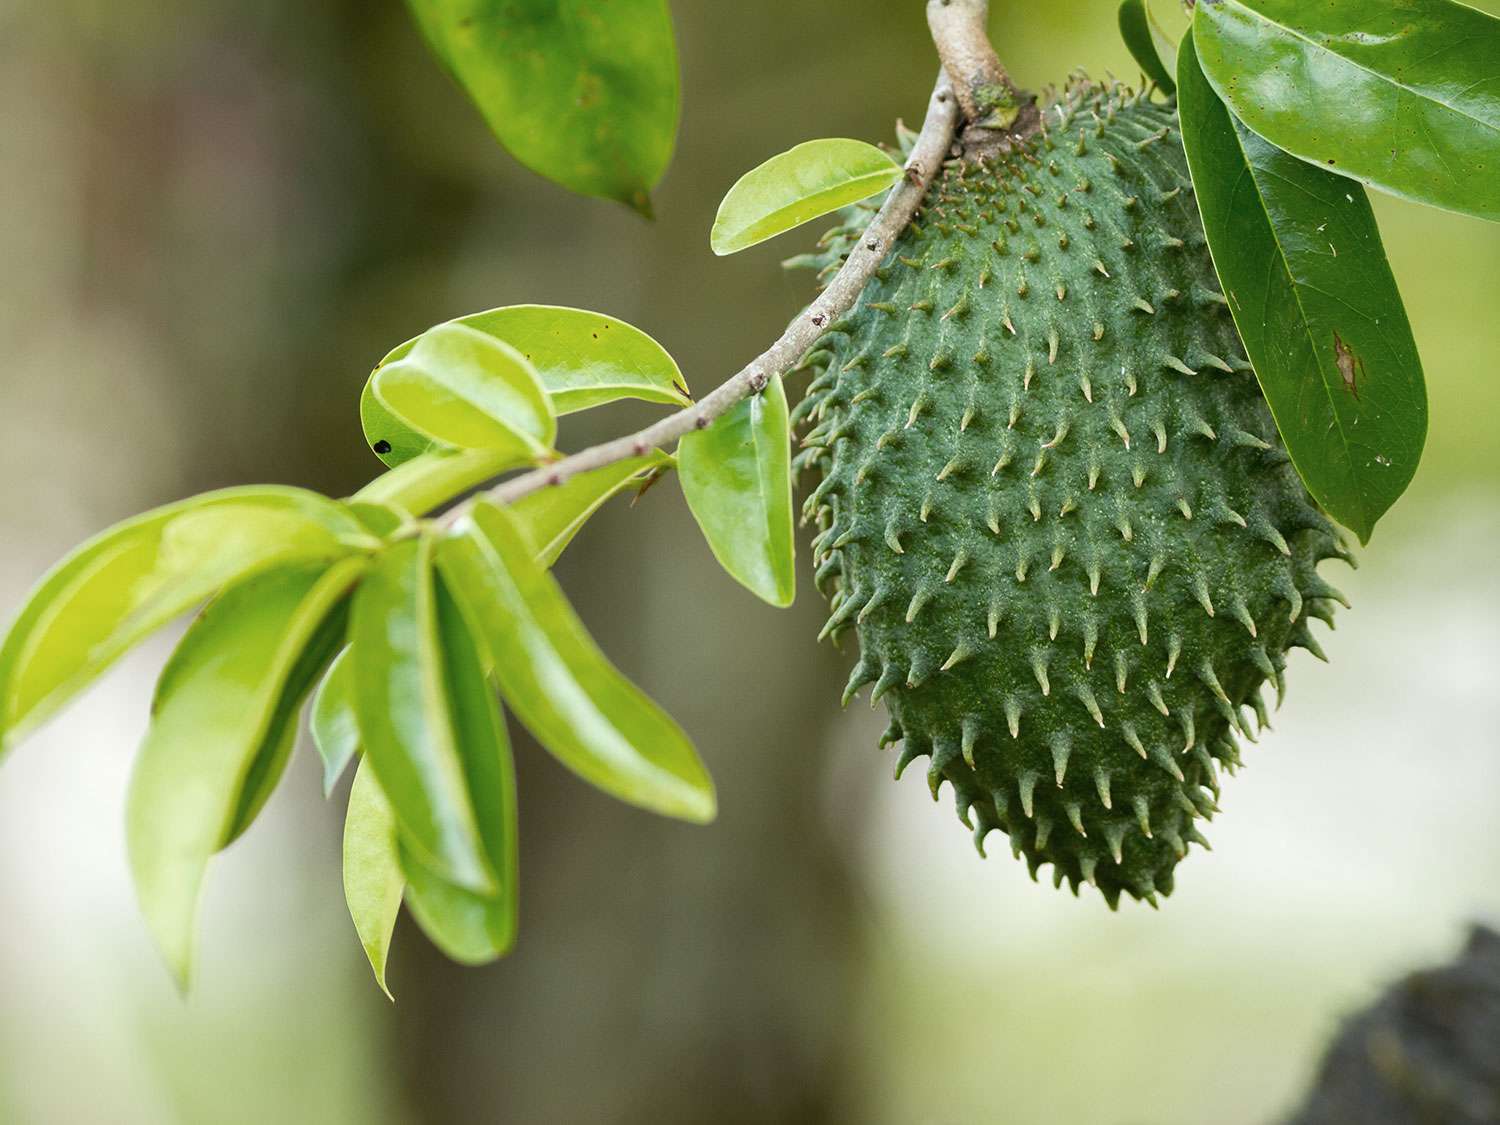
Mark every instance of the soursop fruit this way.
pixel 1053 505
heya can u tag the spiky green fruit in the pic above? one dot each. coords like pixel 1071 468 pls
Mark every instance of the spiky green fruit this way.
pixel 1054 506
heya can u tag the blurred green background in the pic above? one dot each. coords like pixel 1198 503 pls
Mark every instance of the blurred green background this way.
pixel 217 215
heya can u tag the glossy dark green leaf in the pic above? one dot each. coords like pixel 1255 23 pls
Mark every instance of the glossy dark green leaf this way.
pixel 403 713
pixel 128 581
pixel 465 389
pixel 558 683
pixel 1404 96
pixel 737 477
pixel 583 358
pixel 797 186
pixel 472 928
pixel 1141 37
pixel 1300 257
pixel 335 729
pixel 215 712
pixel 373 880
pixel 583 92
pixel 552 516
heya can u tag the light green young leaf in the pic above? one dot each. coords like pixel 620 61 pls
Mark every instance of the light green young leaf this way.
pixel 391 439
pixel 559 684
pixel 432 478
pixel 465 389
pixel 583 358
pixel 737 477
pixel 812 179
pixel 1146 46
pixel 1402 96
pixel 265 772
pixel 373 880
pixel 552 516
pixel 381 520
pixel 472 928
pixel 335 729
pixel 585 94
pixel 1299 255
pixel 403 714
pixel 125 583
pixel 215 711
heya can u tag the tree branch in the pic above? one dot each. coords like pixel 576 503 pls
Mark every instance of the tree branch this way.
pixel 990 100
pixel 927 157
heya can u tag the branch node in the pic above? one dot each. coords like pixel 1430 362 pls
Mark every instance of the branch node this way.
pixel 992 103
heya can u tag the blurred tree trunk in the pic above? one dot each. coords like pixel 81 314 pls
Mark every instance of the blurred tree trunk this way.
pixel 1427 1052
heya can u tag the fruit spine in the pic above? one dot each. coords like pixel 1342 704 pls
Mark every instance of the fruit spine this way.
pixel 1053 504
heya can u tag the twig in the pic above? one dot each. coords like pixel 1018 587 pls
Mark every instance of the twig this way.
pixel 989 99
pixel 927 157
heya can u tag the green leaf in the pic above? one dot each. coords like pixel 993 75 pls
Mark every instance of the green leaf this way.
pixel 432 478
pixel 335 729
pixel 1142 37
pixel 737 477
pixel 403 714
pixel 800 184
pixel 380 519
pixel 469 927
pixel 552 516
pixel 373 880
pixel 125 583
pixel 465 389
pixel 388 437
pixel 472 928
pixel 583 93
pixel 215 711
pixel 558 683
pixel 1300 257
pixel 1402 96
pixel 583 358
pixel 265 772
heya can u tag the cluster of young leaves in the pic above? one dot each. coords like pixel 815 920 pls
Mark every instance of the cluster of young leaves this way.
pixel 415 637
pixel 1289 110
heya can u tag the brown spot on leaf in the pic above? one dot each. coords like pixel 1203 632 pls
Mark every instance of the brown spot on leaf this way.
pixel 1351 367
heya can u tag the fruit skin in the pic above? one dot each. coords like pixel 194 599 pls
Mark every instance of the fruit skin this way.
pixel 1053 504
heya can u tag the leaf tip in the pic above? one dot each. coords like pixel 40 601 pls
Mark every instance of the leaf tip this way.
pixel 695 801
pixel 180 969
pixel 639 201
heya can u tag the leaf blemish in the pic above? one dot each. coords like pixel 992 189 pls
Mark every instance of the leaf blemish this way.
pixel 1351 367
